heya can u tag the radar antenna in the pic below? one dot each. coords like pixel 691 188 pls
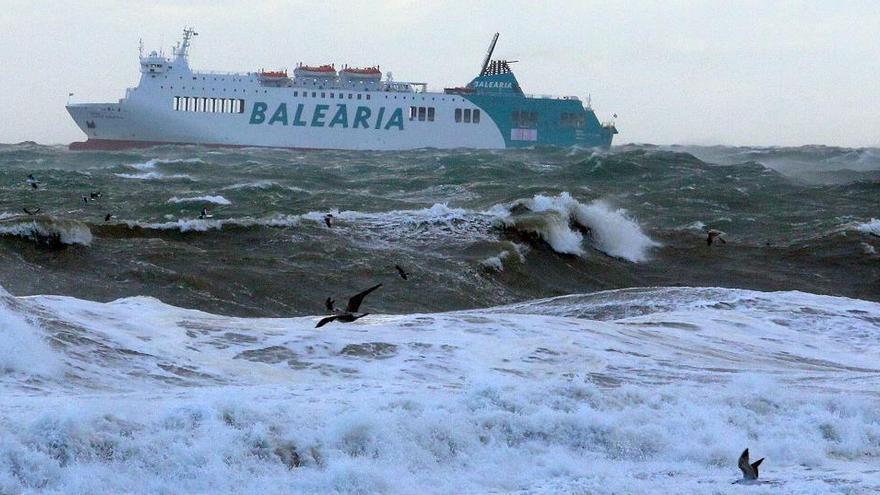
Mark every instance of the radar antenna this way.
pixel 489 55
pixel 182 49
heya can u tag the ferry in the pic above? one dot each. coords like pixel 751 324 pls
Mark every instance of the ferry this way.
pixel 325 107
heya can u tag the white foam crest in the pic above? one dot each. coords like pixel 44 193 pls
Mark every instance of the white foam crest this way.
pixel 47 229
pixel 219 200
pixel 496 262
pixel 155 176
pixel 206 224
pixel 151 164
pixel 261 184
pixel 872 227
pixel 23 347
pixel 613 231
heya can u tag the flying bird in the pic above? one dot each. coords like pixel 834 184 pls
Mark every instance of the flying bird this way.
pixel 34 183
pixel 347 315
pixel 402 272
pixel 108 217
pixel 750 471
pixel 86 199
pixel 95 195
pixel 328 219
pixel 29 212
pixel 713 235
pixel 205 214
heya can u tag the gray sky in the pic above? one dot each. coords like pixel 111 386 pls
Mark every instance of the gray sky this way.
pixel 676 72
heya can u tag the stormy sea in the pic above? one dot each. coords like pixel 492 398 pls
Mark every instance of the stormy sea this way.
pixel 565 325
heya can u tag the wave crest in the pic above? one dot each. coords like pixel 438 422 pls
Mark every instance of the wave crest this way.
pixel 562 221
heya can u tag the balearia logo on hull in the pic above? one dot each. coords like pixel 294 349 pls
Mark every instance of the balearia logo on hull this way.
pixel 322 116
pixel 493 84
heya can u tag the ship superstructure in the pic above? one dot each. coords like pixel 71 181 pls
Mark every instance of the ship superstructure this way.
pixel 322 107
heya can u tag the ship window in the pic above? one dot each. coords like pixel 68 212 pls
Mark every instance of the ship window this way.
pixel 476 118
pixel 323 95
pixel 458 115
pixel 431 114
pixel 295 93
pixel 359 97
pixel 467 115
pixel 331 95
pixel 422 113
pixel 200 104
pixel 368 97
pixel 349 96
pixel 314 94
pixel 412 113
pixel 240 106
pixel 176 104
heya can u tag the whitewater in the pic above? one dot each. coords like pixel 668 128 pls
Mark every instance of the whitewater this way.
pixel 642 390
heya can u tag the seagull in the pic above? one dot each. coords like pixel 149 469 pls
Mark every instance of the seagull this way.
pixel 29 212
pixel 85 199
pixel 33 181
pixel 108 217
pixel 95 195
pixel 750 471
pixel 205 214
pixel 348 315
pixel 402 272
pixel 714 234
pixel 328 219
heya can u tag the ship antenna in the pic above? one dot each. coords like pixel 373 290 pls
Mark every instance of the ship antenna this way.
pixel 141 47
pixel 489 55
pixel 182 49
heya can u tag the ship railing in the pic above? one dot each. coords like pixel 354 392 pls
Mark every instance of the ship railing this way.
pixel 225 73
pixel 551 97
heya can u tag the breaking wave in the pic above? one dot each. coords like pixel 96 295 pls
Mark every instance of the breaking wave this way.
pixel 872 227
pixel 47 231
pixel 151 164
pixel 155 176
pixel 561 221
pixel 219 200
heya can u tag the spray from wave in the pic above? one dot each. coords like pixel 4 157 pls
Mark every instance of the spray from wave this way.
pixel 562 221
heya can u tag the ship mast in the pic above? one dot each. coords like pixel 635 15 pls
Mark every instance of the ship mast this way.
pixel 489 55
pixel 181 50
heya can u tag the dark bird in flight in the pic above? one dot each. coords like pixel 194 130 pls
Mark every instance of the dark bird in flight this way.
pixel 402 272
pixel 108 217
pixel 347 315
pixel 328 219
pixel 750 471
pixel 29 212
pixel 204 214
pixel 33 181
pixel 95 195
pixel 712 235
pixel 86 199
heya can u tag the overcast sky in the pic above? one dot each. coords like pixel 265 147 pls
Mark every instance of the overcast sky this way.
pixel 675 72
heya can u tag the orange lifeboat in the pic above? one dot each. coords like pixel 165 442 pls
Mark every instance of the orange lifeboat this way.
pixel 273 74
pixel 362 71
pixel 317 68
